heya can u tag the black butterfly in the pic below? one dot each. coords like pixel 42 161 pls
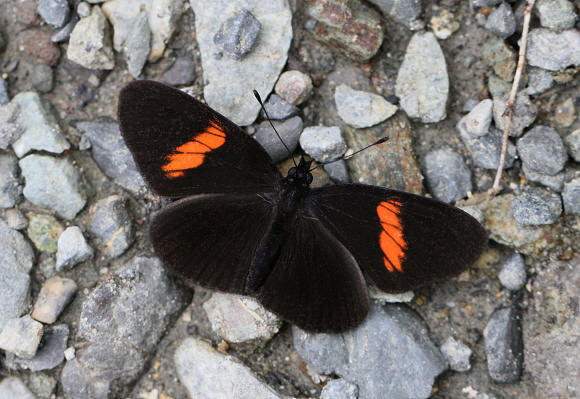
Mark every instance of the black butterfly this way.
pixel 241 227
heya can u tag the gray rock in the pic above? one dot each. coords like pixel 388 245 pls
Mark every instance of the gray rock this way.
pixel 207 374
pixel 289 130
pixel 457 354
pixel 524 114
pixel 14 388
pixel 55 295
pixel 10 131
pixel 542 150
pixel 478 120
pixel 571 197
pixel 237 34
pixel 422 83
pixel 42 78
pixel 513 273
pixel 339 389
pixel 112 155
pixel 84 9
pixel 229 83
pixel 501 22
pixel 21 336
pixel 447 175
pixel 41 131
pixel 111 225
pixel 10 187
pixel 54 183
pixel 323 143
pixel 238 319
pixel 337 171
pixel 63 34
pixel 393 336
pixel 405 12
pixel 504 345
pixel 361 109
pixel 181 73
pixel 278 108
pixel 4 97
pixel 16 260
pixel 554 182
pixel 138 44
pixel 72 249
pixel 54 12
pixel 44 230
pixel 539 81
pixel 42 385
pixel 553 51
pixel 485 150
pixel 15 219
pixel 90 42
pixel 536 206
pixel 49 355
pixel 572 142
pixel 294 87
pixel 557 15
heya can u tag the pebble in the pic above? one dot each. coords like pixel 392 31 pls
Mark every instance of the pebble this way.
pixel 41 130
pixel 539 81
pixel 84 9
pixel 572 142
pixel 163 16
pixel 571 197
pixel 501 22
pixel 278 108
pixel 10 131
pixel 350 27
pixel 323 143
pixel 542 150
pixel 42 78
pixel 14 388
pixel 111 224
pixel 553 51
pixel 339 389
pixel 337 171
pixel 554 182
pixel 55 183
pixel 294 87
pixel 393 336
pixel 90 42
pixel 237 318
pixel 504 345
pixel 198 366
pixel 49 355
pixel 55 295
pixel 37 44
pixel 237 34
pixel 229 84
pixel 448 177
pixel 4 96
pixel 422 83
pixel 478 121
pixel 405 12
pixel 485 150
pixel 63 34
pixel 501 57
pixel 361 109
pixel 565 113
pixel 289 130
pixel 513 273
pixel 21 336
pixel 15 219
pixel 137 44
pixel 524 114
pixel 54 12
pixel 43 231
pixel 536 206
pixel 70 353
pixel 10 187
pixel 27 13
pixel 444 24
pixel 42 385
pixel 181 73
pixel 112 155
pixel 457 354
pixel 556 15
pixel 72 249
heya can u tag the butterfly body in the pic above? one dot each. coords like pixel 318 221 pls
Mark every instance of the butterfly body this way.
pixel 239 226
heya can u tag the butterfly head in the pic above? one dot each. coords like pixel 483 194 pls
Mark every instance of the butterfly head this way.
pixel 300 175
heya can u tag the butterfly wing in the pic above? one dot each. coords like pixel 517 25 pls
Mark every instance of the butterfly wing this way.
pixel 401 240
pixel 211 239
pixel 183 147
pixel 315 282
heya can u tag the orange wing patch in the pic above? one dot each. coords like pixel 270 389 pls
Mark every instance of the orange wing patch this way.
pixel 191 154
pixel 391 239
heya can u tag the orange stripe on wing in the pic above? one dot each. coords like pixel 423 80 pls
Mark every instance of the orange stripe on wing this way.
pixel 391 239
pixel 191 154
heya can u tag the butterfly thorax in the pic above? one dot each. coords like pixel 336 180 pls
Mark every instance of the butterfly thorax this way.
pixel 294 187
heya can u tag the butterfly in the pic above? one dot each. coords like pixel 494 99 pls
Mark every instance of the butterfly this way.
pixel 239 226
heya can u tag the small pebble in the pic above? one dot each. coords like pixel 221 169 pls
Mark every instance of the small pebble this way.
pixel 571 197
pixel 54 12
pixel 181 73
pixel 504 345
pixel 536 207
pixel 361 109
pixel 69 353
pixel 337 171
pixel 237 34
pixel 524 114
pixel 542 150
pixel 513 273
pixel 339 389
pixel 55 295
pixel 72 249
pixel 553 51
pixel 539 81
pixel 278 108
pixel 556 15
pixel 14 388
pixel 478 121
pixel 565 113
pixel 457 354
pixel 15 219
pixel 444 24
pixel 323 143
pixel 44 230
pixel 21 336
pixel 289 130
pixel 84 9
pixel 501 22
pixel 294 87
pixel 447 175
pixel 42 78
pixel 63 34
pixel 137 44
pixel 572 142
pixel 111 224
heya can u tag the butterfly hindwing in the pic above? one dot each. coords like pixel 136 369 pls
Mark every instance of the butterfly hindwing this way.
pixel 400 240
pixel 183 147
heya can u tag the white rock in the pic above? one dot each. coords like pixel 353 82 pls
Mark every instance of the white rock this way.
pixel 361 109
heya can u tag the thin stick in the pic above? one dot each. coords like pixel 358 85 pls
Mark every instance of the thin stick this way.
pixel 512 99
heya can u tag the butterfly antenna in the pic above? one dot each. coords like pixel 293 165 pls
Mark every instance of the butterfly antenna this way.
pixel 381 141
pixel 271 124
